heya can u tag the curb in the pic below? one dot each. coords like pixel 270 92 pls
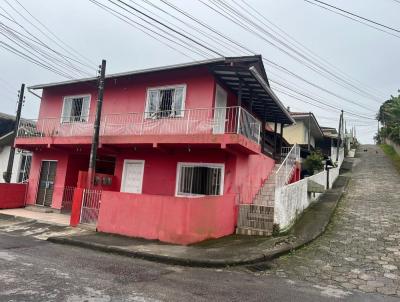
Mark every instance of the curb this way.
pixel 209 263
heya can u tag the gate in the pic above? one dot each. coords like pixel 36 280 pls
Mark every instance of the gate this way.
pixel 90 206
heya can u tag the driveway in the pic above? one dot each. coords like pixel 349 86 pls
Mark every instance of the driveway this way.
pixel 361 248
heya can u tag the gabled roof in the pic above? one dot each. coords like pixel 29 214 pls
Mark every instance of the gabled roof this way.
pixel 316 130
pixel 246 72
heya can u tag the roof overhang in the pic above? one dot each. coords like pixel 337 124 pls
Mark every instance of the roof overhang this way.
pixel 316 130
pixel 255 92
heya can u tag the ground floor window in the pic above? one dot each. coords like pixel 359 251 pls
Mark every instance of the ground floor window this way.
pixel 25 166
pixel 200 179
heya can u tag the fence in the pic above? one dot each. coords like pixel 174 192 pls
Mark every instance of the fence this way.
pixel 190 121
pixel 67 198
pixel 91 201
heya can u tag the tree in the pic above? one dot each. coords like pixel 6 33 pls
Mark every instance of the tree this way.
pixel 389 116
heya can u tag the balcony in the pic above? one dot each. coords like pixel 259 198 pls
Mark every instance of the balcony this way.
pixel 228 125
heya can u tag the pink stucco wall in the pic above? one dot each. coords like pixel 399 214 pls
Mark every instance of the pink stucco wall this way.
pixel 251 173
pixel 169 219
pixel 128 94
pixel 62 178
pixel 244 174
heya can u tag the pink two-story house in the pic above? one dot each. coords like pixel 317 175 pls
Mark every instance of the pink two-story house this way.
pixel 180 147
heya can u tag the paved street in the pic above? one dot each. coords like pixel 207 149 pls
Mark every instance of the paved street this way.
pixel 361 248
pixel 36 270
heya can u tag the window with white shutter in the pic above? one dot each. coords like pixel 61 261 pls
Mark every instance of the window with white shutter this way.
pixel 75 109
pixel 165 101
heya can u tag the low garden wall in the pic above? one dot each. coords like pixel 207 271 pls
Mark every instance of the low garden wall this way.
pixel 12 195
pixel 167 218
pixel 293 199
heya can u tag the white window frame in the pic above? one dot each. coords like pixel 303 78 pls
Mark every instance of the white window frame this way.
pixel 123 178
pixel 72 97
pixel 175 86
pixel 197 164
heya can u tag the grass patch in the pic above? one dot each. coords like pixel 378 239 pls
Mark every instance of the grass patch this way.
pixel 389 151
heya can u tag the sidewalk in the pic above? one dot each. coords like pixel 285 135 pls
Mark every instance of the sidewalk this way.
pixel 228 251
pixel 30 213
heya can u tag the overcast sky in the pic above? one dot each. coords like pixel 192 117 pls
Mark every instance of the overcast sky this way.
pixel 370 57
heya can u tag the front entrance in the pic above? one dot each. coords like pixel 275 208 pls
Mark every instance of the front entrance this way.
pixel 132 176
pixel 46 183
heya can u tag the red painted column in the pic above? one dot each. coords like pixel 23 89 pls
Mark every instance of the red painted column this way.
pixel 76 207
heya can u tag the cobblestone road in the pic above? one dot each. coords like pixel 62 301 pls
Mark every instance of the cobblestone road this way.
pixel 361 247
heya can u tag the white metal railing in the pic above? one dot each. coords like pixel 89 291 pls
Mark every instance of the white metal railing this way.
pixel 91 201
pixel 285 151
pixel 285 171
pixel 190 121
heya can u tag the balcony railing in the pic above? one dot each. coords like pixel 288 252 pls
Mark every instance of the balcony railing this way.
pixel 227 120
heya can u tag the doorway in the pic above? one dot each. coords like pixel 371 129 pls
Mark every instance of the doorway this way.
pixel 46 183
pixel 132 176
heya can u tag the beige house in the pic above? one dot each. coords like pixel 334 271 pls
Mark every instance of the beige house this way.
pixel 306 132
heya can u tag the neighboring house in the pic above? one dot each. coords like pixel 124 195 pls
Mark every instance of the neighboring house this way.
pixel 180 147
pixel 328 145
pixel 22 159
pixel 306 132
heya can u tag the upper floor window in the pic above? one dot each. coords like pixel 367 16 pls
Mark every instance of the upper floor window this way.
pixel 165 101
pixel 75 109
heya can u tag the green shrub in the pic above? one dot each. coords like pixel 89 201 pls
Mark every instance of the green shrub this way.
pixel 314 162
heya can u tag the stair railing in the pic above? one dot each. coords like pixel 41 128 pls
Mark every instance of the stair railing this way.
pixel 285 171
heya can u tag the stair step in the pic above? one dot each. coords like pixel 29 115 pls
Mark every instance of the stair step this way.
pixel 253 232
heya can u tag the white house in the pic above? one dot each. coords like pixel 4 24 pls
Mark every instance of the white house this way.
pixel 22 159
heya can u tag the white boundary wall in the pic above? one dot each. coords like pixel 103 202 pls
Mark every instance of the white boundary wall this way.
pixel 293 199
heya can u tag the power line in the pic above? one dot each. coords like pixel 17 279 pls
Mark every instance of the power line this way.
pixel 358 16
pixel 287 37
pixel 146 30
pixel 272 62
pixel 169 28
pixel 14 35
pixel 45 34
pixel 316 67
pixel 353 19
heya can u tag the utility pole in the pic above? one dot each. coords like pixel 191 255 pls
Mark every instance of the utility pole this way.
pixel 339 135
pixel 95 140
pixel 309 131
pixel 7 175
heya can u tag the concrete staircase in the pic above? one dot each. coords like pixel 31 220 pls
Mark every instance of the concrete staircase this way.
pixel 258 218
